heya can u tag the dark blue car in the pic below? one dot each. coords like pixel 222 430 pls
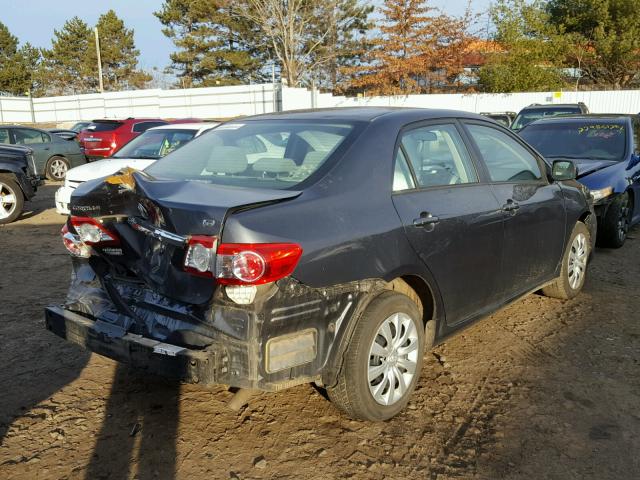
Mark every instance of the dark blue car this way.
pixel 606 151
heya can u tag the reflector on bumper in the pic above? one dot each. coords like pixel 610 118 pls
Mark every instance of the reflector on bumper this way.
pixel 291 350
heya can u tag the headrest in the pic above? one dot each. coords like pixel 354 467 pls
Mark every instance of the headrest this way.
pixel 227 160
pixel 274 165
pixel 313 159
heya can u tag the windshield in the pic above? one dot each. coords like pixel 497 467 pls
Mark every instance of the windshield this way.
pixel 589 141
pixel 271 154
pixel 155 143
pixel 528 116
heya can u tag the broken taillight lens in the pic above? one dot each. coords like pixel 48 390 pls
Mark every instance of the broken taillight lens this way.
pixel 241 263
pixel 92 232
pixel 73 244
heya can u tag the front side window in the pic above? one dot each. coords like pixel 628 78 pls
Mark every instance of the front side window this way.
pixel 505 158
pixel 438 156
pixel 255 154
pixel 588 140
pixel 25 136
pixel 155 144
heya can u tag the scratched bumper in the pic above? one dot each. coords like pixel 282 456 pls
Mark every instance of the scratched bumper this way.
pixel 151 356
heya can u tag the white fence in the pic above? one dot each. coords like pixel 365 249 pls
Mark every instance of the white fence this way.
pixel 226 102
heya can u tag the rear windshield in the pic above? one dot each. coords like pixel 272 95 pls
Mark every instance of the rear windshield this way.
pixel 98 126
pixel 528 116
pixel 273 154
pixel 155 144
pixel 592 140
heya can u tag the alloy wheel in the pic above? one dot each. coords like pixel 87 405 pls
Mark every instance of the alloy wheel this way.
pixel 623 219
pixel 578 261
pixel 393 358
pixel 8 201
pixel 58 169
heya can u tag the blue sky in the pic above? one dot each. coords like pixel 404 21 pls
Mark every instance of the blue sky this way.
pixel 35 20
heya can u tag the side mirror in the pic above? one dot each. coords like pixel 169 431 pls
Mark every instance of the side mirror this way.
pixel 563 170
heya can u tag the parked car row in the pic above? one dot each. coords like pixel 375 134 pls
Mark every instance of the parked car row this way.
pixel 331 246
pixel 55 151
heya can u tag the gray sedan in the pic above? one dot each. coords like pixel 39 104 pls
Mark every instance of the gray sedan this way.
pixel 53 155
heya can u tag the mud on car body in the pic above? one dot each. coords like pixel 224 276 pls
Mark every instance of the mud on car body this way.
pixel 370 236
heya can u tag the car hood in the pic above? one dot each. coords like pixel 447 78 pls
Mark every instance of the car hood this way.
pixel 102 168
pixel 587 167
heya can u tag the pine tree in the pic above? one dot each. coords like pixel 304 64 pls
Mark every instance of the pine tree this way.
pixel 216 45
pixel 71 63
pixel 18 66
pixel 119 55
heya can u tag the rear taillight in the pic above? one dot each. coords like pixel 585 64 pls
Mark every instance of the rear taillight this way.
pixel 241 263
pixel 73 244
pixel 92 232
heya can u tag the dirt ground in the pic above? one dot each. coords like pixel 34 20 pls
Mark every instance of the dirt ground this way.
pixel 544 389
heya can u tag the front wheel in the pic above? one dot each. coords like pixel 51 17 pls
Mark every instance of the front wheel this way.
pixel 57 168
pixel 574 265
pixel 615 224
pixel 383 360
pixel 11 200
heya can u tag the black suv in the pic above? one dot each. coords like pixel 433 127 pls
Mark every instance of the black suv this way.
pixel 18 181
pixel 537 111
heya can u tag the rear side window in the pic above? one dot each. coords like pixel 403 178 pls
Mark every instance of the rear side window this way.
pixel 438 156
pixel 255 154
pixel 25 136
pixel 505 159
pixel 4 135
pixel 402 179
pixel 144 126
pixel 99 126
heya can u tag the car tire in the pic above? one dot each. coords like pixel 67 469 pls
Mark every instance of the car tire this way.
pixel 10 210
pixel 574 265
pixel 57 168
pixel 612 233
pixel 359 392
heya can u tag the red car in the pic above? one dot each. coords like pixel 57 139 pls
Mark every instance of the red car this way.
pixel 102 138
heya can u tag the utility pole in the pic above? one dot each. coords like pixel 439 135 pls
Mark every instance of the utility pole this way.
pixel 95 30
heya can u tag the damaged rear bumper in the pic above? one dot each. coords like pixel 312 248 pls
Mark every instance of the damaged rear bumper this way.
pixel 151 356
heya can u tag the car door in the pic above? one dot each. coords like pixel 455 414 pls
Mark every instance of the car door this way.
pixel 38 141
pixel 451 219
pixel 533 208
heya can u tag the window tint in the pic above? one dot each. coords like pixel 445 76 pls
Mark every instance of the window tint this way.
pixel 144 126
pixel 25 136
pixel 103 126
pixel 505 158
pixel 155 143
pixel 583 139
pixel 227 155
pixel 4 135
pixel 402 179
pixel 438 156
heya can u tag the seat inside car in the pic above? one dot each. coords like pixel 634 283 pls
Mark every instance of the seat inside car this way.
pixel 226 160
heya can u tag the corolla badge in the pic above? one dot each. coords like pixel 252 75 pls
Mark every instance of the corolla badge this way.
pixel 208 222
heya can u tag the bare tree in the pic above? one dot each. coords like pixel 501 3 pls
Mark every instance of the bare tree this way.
pixel 296 31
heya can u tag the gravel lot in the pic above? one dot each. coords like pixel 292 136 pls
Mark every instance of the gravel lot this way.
pixel 543 389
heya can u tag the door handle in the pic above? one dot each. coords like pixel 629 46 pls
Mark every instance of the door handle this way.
pixel 510 207
pixel 426 220
pixel 46 148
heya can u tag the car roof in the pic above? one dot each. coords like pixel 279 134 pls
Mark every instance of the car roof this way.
pixel 186 126
pixel 585 117
pixel 547 106
pixel 366 114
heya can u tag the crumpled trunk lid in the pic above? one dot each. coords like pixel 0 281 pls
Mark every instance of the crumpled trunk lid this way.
pixel 154 218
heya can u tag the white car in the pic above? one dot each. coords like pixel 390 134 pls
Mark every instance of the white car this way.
pixel 139 153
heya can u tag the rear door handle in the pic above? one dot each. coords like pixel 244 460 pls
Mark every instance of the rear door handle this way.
pixel 510 207
pixel 426 220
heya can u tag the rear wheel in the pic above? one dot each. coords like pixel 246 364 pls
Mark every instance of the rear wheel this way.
pixel 57 168
pixel 615 225
pixel 11 200
pixel 383 360
pixel 574 265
